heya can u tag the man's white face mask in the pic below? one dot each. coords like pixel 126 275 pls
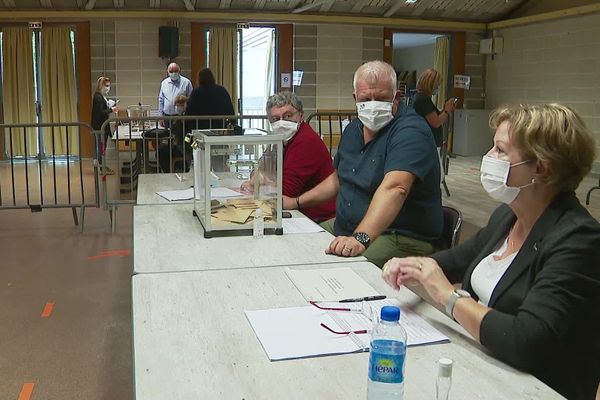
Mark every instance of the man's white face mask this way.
pixel 286 128
pixel 174 76
pixel 494 174
pixel 375 114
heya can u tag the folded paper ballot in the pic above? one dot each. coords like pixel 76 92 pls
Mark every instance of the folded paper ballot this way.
pixel 296 332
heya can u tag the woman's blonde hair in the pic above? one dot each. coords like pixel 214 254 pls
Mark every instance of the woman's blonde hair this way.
pixel 553 134
pixel 102 81
pixel 428 80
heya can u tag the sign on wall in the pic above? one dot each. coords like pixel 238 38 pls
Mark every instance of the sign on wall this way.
pixel 462 82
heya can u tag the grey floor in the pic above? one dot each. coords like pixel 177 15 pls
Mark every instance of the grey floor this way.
pixel 83 349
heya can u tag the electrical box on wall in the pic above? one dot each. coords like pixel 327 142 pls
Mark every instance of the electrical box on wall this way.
pixel 493 45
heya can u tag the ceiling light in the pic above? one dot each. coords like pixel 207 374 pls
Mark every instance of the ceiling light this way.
pixel 410 1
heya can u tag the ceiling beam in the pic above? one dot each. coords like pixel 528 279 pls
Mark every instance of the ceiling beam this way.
pixel 90 4
pixel 327 5
pixel 188 5
pixel 307 7
pixel 421 7
pixel 225 4
pixel 259 4
pixel 395 7
pixel 9 3
pixel 359 5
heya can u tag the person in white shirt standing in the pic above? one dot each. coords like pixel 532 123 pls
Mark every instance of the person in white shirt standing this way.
pixel 171 87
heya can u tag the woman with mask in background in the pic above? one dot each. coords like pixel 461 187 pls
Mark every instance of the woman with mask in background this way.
pixel 530 278
pixel 427 86
pixel 101 110
pixel 306 160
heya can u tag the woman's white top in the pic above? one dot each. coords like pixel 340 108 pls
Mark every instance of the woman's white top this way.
pixel 489 271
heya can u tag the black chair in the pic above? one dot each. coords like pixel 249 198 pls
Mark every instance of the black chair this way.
pixel 452 225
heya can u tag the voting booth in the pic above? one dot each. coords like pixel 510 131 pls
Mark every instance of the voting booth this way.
pixel 222 163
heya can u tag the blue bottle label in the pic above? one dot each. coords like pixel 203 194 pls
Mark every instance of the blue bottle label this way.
pixel 386 366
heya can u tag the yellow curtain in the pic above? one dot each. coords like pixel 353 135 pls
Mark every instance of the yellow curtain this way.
pixel 18 89
pixel 59 94
pixel 440 64
pixel 223 59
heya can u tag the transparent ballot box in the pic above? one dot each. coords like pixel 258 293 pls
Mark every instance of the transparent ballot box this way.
pixel 233 177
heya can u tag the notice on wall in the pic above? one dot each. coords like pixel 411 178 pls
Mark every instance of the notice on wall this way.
pixel 462 82
pixel 286 80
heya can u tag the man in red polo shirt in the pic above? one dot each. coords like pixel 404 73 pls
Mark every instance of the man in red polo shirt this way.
pixel 306 160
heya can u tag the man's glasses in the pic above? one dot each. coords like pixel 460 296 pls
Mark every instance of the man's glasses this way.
pixel 365 313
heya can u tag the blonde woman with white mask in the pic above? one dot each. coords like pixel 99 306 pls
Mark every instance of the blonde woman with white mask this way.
pixel 530 278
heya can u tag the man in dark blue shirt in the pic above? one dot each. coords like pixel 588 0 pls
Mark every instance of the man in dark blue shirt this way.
pixel 387 176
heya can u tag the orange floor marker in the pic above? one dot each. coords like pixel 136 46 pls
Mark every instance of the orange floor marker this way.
pixel 111 253
pixel 47 310
pixel 26 391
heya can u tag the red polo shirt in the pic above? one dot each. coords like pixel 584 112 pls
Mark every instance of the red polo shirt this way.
pixel 306 163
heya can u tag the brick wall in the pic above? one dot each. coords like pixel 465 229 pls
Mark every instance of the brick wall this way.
pixel 555 61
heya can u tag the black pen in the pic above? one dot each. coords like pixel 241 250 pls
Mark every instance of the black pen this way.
pixel 368 298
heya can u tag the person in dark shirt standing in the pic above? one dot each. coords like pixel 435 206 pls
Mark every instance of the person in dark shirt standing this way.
pixel 427 86
pixel 208 98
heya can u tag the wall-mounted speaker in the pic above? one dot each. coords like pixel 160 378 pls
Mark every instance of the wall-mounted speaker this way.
pixel 168 41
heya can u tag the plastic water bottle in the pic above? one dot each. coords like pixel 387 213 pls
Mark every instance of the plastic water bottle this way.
pixel 258 225
pixel 386 361
pixel 444 379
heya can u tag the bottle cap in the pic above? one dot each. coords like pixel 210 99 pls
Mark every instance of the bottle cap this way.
pixel 390 313
pixel 445 367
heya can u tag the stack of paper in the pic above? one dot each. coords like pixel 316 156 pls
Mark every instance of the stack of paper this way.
pixel 330 284
pixel 177 195
pixel 300 225
pixel 296 332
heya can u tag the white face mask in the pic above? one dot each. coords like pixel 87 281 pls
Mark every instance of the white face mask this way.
pixel 174 76
pixel 494 174
pixel 286 128
pixel 106 90
pixel 375 114
pixel 179 110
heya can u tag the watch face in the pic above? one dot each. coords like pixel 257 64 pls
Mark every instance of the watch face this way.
pixel 362 237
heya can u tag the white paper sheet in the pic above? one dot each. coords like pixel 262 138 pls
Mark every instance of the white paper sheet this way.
pixel 223 192
pixel 330 284
pixel 296 332
pixel 300 225
pixel 177 195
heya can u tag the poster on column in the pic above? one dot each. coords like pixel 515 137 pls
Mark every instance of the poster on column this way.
pixel 286 80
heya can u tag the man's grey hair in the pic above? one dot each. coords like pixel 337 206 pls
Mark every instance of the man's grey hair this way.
pixel 373 71
pixel 283 99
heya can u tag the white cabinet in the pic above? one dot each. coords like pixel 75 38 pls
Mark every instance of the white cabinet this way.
pixel 472 134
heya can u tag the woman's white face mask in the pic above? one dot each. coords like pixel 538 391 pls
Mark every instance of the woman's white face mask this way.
pixel 286 128
pixel 494 175
pixel 375 114
pixel 106 90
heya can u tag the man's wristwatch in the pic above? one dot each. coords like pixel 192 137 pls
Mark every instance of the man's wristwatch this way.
pixel 457 294
pixel 362 238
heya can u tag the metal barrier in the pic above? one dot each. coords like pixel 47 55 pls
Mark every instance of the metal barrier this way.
pixel 153 144
pixel 29 179
pixel 330 125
